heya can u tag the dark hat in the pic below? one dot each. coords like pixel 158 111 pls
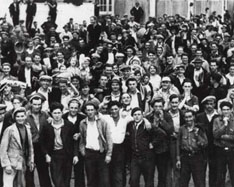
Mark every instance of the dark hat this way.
pixel 17 110
pixel 115 79
pixel 37 96
pixel 198 60
pixel 135 110
pixel 208 98
pixel 226 103
pixel 2 108
pixel 179 66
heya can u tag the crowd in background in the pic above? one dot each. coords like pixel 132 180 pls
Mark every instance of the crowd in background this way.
pixel 117 97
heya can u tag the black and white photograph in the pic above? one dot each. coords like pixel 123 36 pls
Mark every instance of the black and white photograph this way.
pixel 117 93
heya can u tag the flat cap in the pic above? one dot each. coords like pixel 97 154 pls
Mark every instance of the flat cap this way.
pixel 17 110
pixel 37 96
pixel 45 77
pixel 208 98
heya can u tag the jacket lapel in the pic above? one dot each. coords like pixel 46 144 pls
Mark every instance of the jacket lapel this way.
pixel 17 135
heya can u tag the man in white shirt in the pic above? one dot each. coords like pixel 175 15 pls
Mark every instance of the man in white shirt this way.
pixel 118 126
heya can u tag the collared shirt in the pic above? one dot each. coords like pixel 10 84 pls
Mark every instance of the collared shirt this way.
pixel 28 77
pixel 197 77
pixel 45 105
pixel 134 101
pixel 118 130
pixel 58 143
pixel 92 141
pixel 176 120
pixel 210 116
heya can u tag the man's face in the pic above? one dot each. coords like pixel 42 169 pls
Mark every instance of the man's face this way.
pixel 37 59
pixel 85 90
pixel 6 70
pixel 16 103
pixel 45 84
pixel 198 65
pixel 137 116
pixel 166 85
pixel 60 56
pixel 187 87
pixel 115 86
pixel 109 71
pixel 210 105
pixel 169 60
pixel 20 118
pixel 63 87
pixel 158 107
pixel 132 85
pixel 226 111
pixel 189 118
pixel 90 111
pixel 126 73
pixel 57 114
pixel 73 108
pixel 213 66
pixel 28 62
pixel 126 99
pixel 114 110
pixel 103 80
pixel 36 105
pixel 174 103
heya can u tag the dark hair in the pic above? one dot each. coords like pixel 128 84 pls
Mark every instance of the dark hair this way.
pixel 114 103
pixel 156 100
pixel 187 80
pixel 226 103
pixel 56 105
pixel 173 96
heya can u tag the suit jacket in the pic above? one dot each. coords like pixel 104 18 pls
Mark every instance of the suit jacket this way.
pixel 31 9
pixel 12 153
pixel 7 121
pixel 14 11
pixel 105 140
pixel 47 139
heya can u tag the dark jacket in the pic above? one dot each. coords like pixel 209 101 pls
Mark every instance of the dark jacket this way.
pixel 14 11
pixel 47 139
pixel 31 9
pixel 161 132
pixel 138 139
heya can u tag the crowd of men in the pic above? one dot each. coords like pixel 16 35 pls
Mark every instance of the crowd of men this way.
pixel 116 99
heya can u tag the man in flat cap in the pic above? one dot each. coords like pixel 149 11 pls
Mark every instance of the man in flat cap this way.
pixel 37 118
pixel 6 69
pixel 206 118
pixel 223 132
pixel 17 150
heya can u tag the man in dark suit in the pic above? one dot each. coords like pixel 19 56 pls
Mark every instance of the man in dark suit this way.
pixel 14 12
pixel 206 118
pixel 58 146
pixel 37 119
pixel 75 117
pixel 31 12
pixel 137 12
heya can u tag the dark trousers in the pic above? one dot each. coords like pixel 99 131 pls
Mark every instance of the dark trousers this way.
pixel 42 169
pixel 211 164
pixel 117 166
pixel 15 20
pixel 161 161
pixel 1 176
pixel 144 165
pixel 224 158
pixel 79 173
pixel 29 21
pixel 192 164
pixel 61 168
pixel 53 16
pixel 96 169
pixel 173 173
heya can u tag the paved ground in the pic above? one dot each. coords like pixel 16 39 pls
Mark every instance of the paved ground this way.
pixel 65 11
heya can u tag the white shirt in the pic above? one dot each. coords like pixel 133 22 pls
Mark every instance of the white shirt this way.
pixel 196 76
pixel 134 101
pixel 28 76
pixel 110 58
pixel 45 105
pixel 92 135
pixel 176 120
pixel 72 119
pixel 210 116
pixel 118 129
